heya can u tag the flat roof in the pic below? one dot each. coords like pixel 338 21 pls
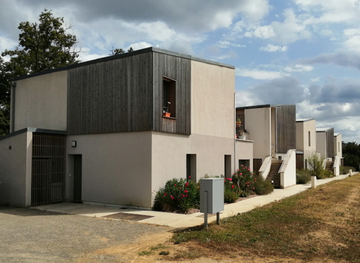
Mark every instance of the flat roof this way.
pixel 263 106
pixel 113 57
pixel 323 129
pixel 305 119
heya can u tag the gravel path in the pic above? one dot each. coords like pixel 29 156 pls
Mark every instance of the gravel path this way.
pixel 28 235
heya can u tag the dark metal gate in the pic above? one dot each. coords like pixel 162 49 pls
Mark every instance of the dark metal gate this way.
pixel 48 169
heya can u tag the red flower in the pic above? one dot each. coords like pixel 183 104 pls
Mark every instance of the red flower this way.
pixel 186 184
pixel 165 194
pixel 240 173
pixel 179 187
pixel 253 188
pixel 183 195
pixel 189 176
pixel 232 187
pixel 172 197
pixel 185 191
pixel 174 184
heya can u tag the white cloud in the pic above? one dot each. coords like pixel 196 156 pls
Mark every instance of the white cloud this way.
pixel 263 32
pixel 298 68
pixel 139 45
pixel 226 44
pixel 352 41
pixel 259 74
pixel 272 48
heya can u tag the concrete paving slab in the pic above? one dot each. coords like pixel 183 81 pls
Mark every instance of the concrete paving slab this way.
pixel 175 220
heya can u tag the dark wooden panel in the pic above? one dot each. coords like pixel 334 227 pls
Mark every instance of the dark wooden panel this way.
pixel 299 161
pixel 111 96
pixel 179 70
pixel 285 128
pixel 330 143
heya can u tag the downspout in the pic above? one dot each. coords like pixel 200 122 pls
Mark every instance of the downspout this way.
pixel 12 107
pixel 234 129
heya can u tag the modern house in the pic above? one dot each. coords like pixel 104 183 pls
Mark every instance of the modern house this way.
pixel 115 129
pixel 305 141
pixel 330 147
pixel 273 130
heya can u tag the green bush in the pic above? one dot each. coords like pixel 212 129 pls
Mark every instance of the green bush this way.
pixel 244 181
pixel 230 196
pixel 263 187
pixel 178 194
pixel 315 166
pixel 345 169
pixel 302 176
pixel 326 174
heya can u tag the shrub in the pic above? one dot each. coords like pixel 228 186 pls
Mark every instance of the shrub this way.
pixel 302 176
pixel 315 166
pixel 263 187
pixel 230 196
pixel 345 169
pixel 178 194
pixel 326 174
pixel 244 180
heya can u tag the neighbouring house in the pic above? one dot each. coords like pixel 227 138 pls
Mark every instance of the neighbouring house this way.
pixel 114 130
pixel 305 141
pixel 330 154
pixel 272 128
pixel 339 160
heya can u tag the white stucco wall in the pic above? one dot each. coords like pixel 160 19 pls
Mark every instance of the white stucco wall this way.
pixel 41 102
pixel 116 168
pixel 212 100
pixel 302 138
pixel 244 151
pixel 258 125
pixel 288 169
pixel 321 144
pixel 169 156
pixel 338 145
pixel 15 170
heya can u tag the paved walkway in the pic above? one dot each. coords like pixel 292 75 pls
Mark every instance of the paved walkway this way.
pixel 180 220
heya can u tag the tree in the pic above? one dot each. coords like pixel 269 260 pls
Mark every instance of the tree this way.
pixel 119 51
pixel 42 46
pixel 351 154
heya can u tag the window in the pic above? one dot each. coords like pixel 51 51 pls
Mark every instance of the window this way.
pixel 191 167
pixel 169 98
pixel 309 138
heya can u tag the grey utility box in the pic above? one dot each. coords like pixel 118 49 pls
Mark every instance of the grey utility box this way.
pixel 212 189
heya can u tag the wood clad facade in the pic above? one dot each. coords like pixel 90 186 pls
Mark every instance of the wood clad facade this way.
pixel 330 143
pixel 125 94
pixel 285 128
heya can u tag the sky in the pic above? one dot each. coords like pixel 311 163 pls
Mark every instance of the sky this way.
pixel 303 52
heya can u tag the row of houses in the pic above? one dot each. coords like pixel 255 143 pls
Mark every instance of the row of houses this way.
pixel 115 130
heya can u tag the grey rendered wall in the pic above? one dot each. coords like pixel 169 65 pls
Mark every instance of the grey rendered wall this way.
pixel 15 170
pixel 116 168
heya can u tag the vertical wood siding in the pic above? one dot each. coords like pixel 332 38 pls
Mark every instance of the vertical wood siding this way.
pixel 286 128
pixel 178 69
pixel 111 96
pixel 125 95
pixel 330 143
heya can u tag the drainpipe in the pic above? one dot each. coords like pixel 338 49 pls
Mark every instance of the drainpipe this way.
pixel 12 107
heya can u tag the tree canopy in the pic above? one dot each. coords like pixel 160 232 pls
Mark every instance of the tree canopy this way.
pixel 42 46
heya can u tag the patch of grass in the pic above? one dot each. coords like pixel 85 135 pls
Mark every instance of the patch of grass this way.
pixel 153 249
pixel 314 224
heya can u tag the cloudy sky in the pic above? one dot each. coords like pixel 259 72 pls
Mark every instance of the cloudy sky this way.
pixel 303 52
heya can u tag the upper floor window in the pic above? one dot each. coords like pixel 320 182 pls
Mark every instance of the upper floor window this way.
pixel 309 138
pixel 169 97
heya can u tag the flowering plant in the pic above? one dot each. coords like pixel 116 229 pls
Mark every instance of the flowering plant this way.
pixel 244 180
pixel 178 194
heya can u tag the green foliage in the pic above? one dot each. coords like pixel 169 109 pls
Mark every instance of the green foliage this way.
pixel 230 196
pixel 351 154
pixel 119 51
pixel 42 46
pixel 345 169
pixel 263 187
pixel 315 166
pixel 244 180
pixel 326 174
pixel 302 176
pixel 177 195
